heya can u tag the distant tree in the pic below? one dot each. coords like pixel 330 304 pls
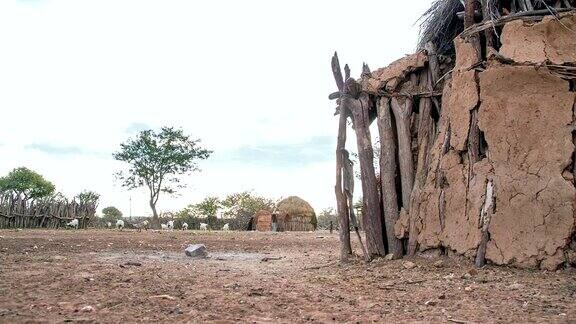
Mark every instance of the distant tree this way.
pixel 88 197
pixel 26 183
pixel 240 207
pixel 245 202
pixel 111 214
pixel 326 216
pixel 208 208
pixel 156 160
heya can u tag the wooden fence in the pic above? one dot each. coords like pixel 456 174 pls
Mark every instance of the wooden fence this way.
pixel 16 212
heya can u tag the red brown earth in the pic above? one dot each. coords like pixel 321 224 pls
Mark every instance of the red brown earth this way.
pixel 54 276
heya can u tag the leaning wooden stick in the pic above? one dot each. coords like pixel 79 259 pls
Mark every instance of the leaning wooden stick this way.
pixel 349 191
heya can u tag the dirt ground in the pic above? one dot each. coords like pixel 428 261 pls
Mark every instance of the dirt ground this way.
pixel 112 276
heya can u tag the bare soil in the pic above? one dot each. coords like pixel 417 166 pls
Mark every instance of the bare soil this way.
pixel 112 276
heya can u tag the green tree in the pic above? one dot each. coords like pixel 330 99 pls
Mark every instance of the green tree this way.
pixel 156 160
pixel 245 202
pixel 326 216
pixel 207 208
pixel 26 183
pixel 111 214
pixel 88 197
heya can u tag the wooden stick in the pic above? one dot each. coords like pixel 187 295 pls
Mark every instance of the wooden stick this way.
pixel 485 217
pixel 402 108
pixel 388 175
pixel 537 14
pixel 342 206
pixel 372 211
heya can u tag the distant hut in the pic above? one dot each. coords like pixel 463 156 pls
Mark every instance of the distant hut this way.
pixel 292 214
pixel 295 214
pixel 263 221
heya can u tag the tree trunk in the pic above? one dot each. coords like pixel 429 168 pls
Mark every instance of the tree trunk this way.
pixel 155 223
pixel 402 108
pixel 388 175
pixel 371 207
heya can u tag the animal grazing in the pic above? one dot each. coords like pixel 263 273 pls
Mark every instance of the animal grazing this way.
pixel 73 223
pixel 142 225
pixel 203 226
pixel 163 227
pixel 120 224
pixel 226 227
pixel 184 226
pixel 108 224
pixel 170 225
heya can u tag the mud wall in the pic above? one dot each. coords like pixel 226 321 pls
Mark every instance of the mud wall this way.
pixel 522 187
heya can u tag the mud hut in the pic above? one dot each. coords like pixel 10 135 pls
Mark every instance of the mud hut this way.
pixel 264 220
pixel 477 136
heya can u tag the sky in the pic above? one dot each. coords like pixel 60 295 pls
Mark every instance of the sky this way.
pixel 249 78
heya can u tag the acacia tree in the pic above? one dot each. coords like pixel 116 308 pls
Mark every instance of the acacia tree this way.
pixel 26 183
pixel 111 214
pixel 157 160
pixel 88 197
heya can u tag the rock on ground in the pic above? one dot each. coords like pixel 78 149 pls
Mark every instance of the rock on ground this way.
pixel 196 251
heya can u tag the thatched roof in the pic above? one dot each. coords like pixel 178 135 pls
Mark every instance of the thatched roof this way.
pixel 295 206
pixel 440 25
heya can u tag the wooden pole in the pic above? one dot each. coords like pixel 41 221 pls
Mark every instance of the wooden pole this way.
pixel 402 108
pixel 342 205
pixel 371 210
pixel 488 8
pixel 485 217
pixel 388 175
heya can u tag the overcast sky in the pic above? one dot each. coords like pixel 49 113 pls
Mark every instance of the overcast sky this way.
pixel 249 78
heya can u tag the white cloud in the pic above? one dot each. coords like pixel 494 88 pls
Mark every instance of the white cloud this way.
pixel 80 74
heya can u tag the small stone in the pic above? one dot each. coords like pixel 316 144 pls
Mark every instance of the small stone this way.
pixel 389 257
pixel 468 288
pixel 196 251
pixel 515 286
pixel 431 303
pixel 409 265
pixel 442 296
pixel 449 276
pixel 473 272
pixel 167 297
pixel 439 264
pixel 87 309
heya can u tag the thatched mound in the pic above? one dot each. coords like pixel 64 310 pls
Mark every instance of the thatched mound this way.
pixel 294 205
pixel 296 214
